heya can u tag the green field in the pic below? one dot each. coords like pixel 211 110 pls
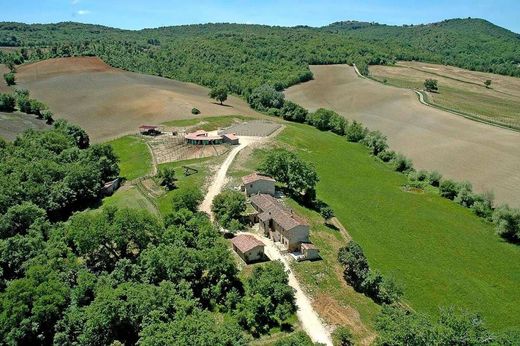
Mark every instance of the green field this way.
pixel 129 197
pixel 439 251
pixel 135 159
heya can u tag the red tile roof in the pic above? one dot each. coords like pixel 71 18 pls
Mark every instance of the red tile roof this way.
pixel 231 136
pixel 308 246
pixel 271 208
pixel 246 242
pixel 248 179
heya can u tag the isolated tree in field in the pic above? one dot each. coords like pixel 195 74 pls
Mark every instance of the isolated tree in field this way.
pixel 228 207
pixel 167 178
pixel 220 94
pixel 10 78
pixel 431 85
pixel 487 83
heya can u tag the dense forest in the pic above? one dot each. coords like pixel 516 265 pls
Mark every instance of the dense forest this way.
pixel 242 57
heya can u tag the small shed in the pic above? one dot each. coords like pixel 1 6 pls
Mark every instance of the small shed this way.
pixel 149 130
pixel 256 183
pixel 230 138
pixel 310 251
pixel 248 248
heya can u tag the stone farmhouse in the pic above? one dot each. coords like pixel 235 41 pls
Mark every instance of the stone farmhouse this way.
pixel 280 223
pixel 248 248
pixel 255 183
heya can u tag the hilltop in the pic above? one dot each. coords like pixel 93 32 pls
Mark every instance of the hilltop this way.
pixel 245 56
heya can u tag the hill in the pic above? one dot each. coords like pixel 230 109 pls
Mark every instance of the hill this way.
pixel 245 56
pixel 485 155
pixel 109 102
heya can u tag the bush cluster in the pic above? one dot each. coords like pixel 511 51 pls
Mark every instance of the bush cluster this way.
pixel 357 272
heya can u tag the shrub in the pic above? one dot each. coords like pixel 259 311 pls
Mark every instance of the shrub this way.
pixel 435 178
pixel 507 221
pixel 375 141
pixel 356 265
pixel 338 124
pixel 341 336
pixel 386 155
pixel 10 78
pixel 21 93
pixel 320 119
pixel 465 196
pixel 293 112
pixel 7 103
pixel 47 116
pixel 355 132
pixel 195 111
pixel 431 85
pixel 327 213
pixel 402 164
pixel 449 189
pixel 483 206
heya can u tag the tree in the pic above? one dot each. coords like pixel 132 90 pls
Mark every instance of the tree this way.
pixel 47 115
pixel 320 119
pixel 195 111
pixel 449 189
pixel 293 112
pixel 375 141
pixel 507 222
pixel 356 265
pixel 265 97
pixel 355 132
pixel 167 178
pixel 402 164
pixel 188 198
pixel 299 176
pixel 220 94
pixel 327 213
pixel 341 336
pixel 228 207
pixel 10 78
pixel 7 103
pixel 431 85
pixel 435 178
pixel 80 136
pixel 487 83
pixel 269 299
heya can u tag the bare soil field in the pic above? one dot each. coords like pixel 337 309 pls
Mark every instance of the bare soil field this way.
pixel 460 89
pixel 109 102
pixel 459 148
pixel 12 124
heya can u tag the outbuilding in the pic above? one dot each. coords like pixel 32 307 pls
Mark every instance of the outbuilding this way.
pixel 310 251
pixel 248 248
pixel 255 183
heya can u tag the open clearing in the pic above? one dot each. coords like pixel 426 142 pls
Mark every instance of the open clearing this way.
pixel 12 124
pixel 459 148
pixel 460 89
pixel 109 102
pixel 439 251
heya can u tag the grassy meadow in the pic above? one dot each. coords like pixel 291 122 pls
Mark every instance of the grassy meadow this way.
pixel 135 159
pixel 438 251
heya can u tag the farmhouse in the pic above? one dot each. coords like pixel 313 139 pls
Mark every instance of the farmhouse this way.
pixel 280 223
pixel 248 248
pixel 201 137
pixel 256 183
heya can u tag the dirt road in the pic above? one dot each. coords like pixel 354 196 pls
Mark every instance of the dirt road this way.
pixel 219 180
pixel 459 148
pixel 308 317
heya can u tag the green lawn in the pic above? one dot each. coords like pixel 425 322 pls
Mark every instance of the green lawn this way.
pixel 439 251
pixel 129 197
pixel 135 159
pixel 196 180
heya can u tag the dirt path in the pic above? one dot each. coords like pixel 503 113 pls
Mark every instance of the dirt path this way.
pixel 308 317
pixel 219 180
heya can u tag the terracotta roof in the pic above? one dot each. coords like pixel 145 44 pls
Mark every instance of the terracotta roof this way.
pixel 231 136
pixel 201 135
pixel 246 242
pixel 248 179
pixel 271 208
